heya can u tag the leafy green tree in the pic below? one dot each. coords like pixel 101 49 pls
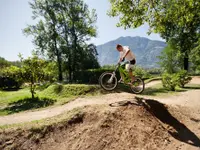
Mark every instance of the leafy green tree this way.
pixel 172 19
pixel 51 71
pixel 46 38
pixel 4 63
pixel 77 25
pixel 12 76
pixel 170 58
pixel 62 31
pixel 33 71
pixel 195 58
pixel 89 58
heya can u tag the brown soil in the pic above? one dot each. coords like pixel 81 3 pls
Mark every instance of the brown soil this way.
pixel 129 125
pixel 117 121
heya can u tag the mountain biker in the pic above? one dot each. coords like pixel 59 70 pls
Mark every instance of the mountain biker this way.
pixel 125 52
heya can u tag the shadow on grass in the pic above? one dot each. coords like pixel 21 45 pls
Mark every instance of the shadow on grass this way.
pixel 58 88
pixel 180 131
pixel 192 87
pixel 11 89
pixel 28 104
pixel 154 91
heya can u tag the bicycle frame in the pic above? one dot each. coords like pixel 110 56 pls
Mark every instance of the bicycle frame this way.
pixel 123 73
pixel 137 86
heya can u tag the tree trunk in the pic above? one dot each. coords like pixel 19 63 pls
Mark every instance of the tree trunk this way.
pixel 74 52
pixel 32 91
pixel 70 74
pixel 186 63
pixel 60 77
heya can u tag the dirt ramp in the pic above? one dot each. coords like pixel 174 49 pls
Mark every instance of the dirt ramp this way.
pixel 148 126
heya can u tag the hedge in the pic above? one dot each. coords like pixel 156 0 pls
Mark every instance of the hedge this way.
pixel 90 76
pixel 9 83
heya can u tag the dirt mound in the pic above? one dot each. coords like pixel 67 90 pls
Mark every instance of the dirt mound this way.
pixel 128 127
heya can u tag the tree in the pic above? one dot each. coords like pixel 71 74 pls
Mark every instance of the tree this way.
pixel 62 32
pixel 195 57
pixel 11 77
pixel 77 25
pixel 4 63
pixel 170 58
pixel 45 31
pixel 172 19
pixel 33 71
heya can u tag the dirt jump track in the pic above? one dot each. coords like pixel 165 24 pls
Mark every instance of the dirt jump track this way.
pixel 118 121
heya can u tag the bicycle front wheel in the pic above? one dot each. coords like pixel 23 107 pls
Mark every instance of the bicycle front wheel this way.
pixel 107 81
pixel 137 86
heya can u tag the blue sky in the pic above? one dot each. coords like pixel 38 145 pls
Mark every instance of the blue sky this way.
pixel 16 14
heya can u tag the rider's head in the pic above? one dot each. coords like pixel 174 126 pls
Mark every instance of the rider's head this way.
pixel 119 47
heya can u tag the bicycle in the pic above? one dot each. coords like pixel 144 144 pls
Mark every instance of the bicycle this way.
pixel 108 80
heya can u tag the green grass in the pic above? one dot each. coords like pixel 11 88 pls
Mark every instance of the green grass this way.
pixel 152 79
pixel 17 101
pixel 159 90
pixel 156 90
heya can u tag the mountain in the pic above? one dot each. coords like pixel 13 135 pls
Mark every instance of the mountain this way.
pixel 146 51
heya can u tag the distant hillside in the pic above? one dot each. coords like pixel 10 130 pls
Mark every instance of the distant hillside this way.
pixel 146 51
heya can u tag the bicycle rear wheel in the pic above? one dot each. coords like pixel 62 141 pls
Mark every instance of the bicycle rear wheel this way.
pixel 137 86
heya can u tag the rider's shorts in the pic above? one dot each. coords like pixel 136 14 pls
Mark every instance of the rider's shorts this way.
pixel 130 65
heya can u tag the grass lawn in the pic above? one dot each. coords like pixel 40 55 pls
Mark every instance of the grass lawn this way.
pixel 17 101
pixel 152 79
pixel 158 90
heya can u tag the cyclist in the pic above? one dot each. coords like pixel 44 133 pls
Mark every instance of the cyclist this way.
pixel 125 52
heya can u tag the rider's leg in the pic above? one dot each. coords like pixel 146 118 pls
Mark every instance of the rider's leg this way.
pixel 128 68
pixel 121 79
pixel 131 75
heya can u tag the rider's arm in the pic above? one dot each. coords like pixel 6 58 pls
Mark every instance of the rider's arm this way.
pixel 127 50
pixel 122 57
pixel 126 53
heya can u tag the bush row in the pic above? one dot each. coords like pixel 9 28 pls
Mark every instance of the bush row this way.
pixel 9 83
pixel 92 76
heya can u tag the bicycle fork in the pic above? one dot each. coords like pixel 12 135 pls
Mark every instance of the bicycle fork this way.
pixel 111 78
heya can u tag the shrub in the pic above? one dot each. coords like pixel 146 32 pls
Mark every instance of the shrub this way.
pixel 170 81
pixel 9 83
pixel 10 78
pixel 183 78
pixel 154 71
pixel 138 71
pixel 68 90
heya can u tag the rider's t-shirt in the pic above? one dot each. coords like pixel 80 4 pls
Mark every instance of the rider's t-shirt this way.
pixel 130 56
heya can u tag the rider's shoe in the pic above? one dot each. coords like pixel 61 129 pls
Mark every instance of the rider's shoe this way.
pixel 132 81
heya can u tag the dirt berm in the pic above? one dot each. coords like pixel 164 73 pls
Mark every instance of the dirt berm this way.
pixel 148 125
